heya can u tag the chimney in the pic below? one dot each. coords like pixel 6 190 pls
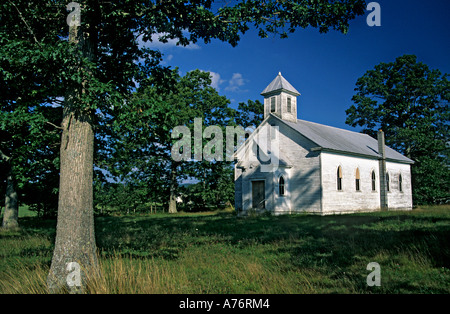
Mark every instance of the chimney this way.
pixel 382 167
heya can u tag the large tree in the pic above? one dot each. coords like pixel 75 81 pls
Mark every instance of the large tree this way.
pixel 410 103
pixel 99 60
pixel 29 110
pixel 141 151
pixel 29 144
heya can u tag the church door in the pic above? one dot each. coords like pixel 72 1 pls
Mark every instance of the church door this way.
pixel 258 194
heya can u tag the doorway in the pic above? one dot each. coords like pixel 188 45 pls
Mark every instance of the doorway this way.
pixel 258 194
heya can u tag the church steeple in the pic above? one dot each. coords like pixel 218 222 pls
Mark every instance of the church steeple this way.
pixel 280 98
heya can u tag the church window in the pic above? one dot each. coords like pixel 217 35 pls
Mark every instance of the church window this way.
pixel 281 186
pixel 357 180
pixel 289 104
pixel 373 181
pixel 339 178
pixel 272 104
pixel 400 181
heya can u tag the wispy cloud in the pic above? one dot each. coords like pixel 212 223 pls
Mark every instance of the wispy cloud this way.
pixel 235 83
pixel 216 79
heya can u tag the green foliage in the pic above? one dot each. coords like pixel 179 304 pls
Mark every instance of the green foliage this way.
pixel 250 114
pixel 29 141
pixel 214 191
pixel 141 142
pixel 119 198
pixel 410 103
pixel 42 70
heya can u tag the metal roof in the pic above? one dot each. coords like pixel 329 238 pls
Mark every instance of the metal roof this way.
pixel 344 141
pixel 280 84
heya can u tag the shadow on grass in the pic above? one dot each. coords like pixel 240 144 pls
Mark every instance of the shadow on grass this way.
pixel 331 252
pixel 335 241
pixel 307 240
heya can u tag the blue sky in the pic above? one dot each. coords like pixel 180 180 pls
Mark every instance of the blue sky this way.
pixel 322 67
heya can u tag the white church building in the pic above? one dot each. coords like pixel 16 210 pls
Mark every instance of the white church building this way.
pixel 289 165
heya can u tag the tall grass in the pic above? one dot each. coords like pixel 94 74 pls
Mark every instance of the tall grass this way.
pixel 194 274
pixel 117 276
pixel 225 254
pixel 125 275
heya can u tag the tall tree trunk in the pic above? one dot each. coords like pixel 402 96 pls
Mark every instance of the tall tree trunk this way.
pixel 75 239
pixel 173 190
pixel 11 214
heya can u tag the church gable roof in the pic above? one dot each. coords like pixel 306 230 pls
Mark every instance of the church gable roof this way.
pixel 246 147
pixel 344 141
pixel 280 84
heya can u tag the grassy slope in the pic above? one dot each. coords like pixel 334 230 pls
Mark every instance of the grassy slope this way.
pixel 219 253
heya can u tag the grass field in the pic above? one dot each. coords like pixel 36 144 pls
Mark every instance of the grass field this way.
pixel 220 253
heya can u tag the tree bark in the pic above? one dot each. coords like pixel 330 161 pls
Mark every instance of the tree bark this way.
pixel 173 189
pixel 75 238
pixel 11 214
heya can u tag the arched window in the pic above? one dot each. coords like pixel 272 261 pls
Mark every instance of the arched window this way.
pixel 281 187
pixel 373 181
pixel 272 104
pixel 400 181
pixel 339 178
pixel 387 182
pixel 357 180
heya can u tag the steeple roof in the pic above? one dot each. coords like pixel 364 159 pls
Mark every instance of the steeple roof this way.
pixel 280 84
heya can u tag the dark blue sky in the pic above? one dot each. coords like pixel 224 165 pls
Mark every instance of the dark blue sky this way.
pixel 323 67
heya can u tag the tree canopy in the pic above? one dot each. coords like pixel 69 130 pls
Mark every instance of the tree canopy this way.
pixel 140 142
pixel 410 103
